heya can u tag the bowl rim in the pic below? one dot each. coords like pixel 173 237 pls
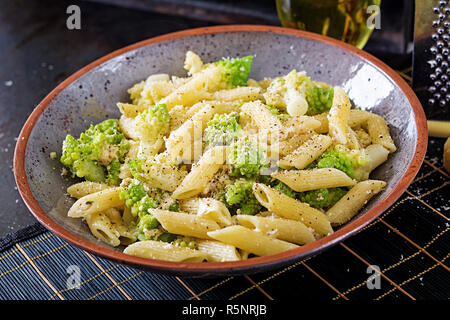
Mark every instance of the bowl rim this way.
pixel 232 267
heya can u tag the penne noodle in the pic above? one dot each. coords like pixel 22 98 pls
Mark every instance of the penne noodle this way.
pixel 283 229
pixel 289 208
pixel 184 223
pixel 349 205
pixel 300 125
pixel 379 132
pixel 195 89
pixel 101 227
pixel 208 208
pixel 201 173
pixel 338 116
pixel 243 94
pixel 306 152
pixel 218 251
pixel 165 251
pixel 358 117
pixel 313 179
pixel 96 202
pixel 282 148
pixel 262 117
pixel 84 188
pixel 251 241
pixel 131 110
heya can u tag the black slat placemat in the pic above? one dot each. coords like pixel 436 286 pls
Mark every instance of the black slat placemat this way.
pixel 409 243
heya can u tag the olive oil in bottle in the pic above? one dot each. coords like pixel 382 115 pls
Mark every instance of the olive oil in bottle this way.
pixel 344 20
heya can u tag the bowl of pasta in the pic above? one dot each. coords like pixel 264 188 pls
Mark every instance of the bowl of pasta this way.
pixel 220 150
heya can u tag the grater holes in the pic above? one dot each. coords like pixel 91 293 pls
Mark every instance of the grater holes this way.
pixel 439 86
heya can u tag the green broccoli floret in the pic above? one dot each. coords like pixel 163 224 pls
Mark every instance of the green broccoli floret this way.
pixel 235 71
pixel 88 156
pixel 153 122
pixel 247 158
pixel 137 199
pixel 239 196
pixel 88 169
pixel 319 100
pixel 113 173
pixel 276 112
pixel 322 198
pixel 146 222
pixel 167 237
pixel 283 188
pixel 135 166
pixel 174 206
pixel 223 129
pixel 339 159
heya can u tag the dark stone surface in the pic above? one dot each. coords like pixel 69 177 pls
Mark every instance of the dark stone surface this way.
pixel 37 52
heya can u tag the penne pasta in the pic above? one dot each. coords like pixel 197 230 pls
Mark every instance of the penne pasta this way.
pixel 379 132
pixel 306 152
pixel 353 201
pixel 165 251
pixel 338 116
pixel 101 227
pixel 305 180
pixel 301 125
pixel 184 223
pixel 251 241
pixel 289 208
pixel 262 117
pixel 84 188
pixel 131 110
pixel 208 208
pixel 201 173
pixel 283 229
pixel 218 251
pixel 243 94
pixel 195 89
pixel 96 202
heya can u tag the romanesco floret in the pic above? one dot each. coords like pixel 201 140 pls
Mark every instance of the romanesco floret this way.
pixel 340 159
pixel 235 71
pixel 319 100
pixel 239 196
pixel 283 188
pixel 247 158
pixel 276 112
pixel 137 199
pixel 223 129
pixel 322 198
pixel 113 173
pixel 153 122
pixel 88 156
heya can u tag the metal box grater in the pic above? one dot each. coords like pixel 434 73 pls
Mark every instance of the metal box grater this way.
pixel 431 57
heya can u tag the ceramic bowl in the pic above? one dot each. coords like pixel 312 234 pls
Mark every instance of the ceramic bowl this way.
pixel 90 96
